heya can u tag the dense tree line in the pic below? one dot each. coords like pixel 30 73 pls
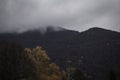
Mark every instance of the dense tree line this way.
pixel 17 63
pixel 11 61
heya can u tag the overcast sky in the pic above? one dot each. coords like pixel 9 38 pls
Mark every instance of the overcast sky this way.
pixel 21 15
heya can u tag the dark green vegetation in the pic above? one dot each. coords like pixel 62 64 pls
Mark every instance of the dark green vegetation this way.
pixel 17 63
pixel 94 52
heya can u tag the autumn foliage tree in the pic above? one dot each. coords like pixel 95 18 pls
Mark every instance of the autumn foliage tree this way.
pixel 17 63
pixel 42 67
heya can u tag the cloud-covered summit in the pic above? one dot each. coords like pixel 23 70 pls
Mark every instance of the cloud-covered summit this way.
pixel 21 15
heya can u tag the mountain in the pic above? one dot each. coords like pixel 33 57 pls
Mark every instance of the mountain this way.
pixel 95 51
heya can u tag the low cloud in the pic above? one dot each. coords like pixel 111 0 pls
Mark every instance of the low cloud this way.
pixel 21 15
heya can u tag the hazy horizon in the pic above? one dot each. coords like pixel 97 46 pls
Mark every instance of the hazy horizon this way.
pixel 23 15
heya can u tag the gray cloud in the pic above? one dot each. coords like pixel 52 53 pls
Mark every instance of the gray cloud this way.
pixel 21 15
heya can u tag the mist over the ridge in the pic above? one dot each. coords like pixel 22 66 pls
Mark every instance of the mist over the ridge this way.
pixel 22 15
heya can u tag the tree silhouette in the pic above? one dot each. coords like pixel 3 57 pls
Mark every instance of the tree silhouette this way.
pixel 78 75
pixel 11 57
pixel 112 75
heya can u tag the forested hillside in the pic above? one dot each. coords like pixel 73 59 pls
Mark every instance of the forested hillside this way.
pixel 95 52
pixel 17 63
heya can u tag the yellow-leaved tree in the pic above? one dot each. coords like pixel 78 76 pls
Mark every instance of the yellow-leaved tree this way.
pixel 40 65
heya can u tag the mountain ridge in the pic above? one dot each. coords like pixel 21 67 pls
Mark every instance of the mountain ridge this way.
pixel 95 51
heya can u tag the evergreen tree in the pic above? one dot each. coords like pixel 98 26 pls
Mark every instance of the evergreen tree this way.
pixel 11 57
pixel 78 75
pixel 17 63
pixel 112 75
